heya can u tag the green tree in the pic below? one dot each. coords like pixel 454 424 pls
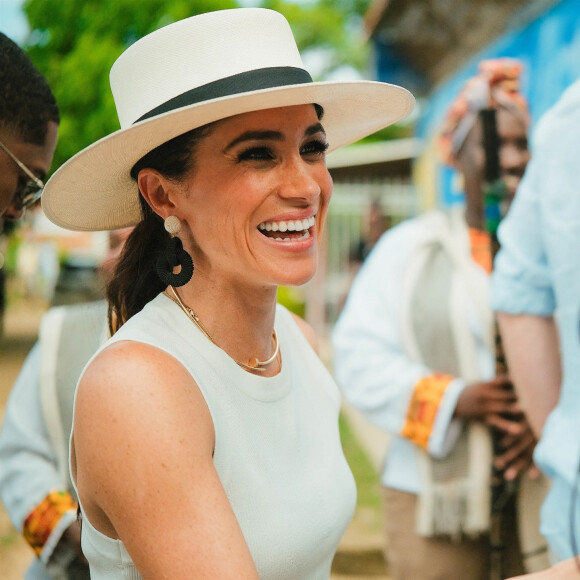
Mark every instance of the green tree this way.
pixel 331 28
pixel 334 30
pixel 75 42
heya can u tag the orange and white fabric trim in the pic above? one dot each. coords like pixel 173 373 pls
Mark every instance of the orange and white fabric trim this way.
pixel 423 408
pixel 44 518
pixel 480 243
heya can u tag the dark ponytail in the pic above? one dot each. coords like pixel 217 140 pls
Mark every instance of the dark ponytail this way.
pixel 135 281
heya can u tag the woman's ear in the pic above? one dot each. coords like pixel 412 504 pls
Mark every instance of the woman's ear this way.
pixel 156 189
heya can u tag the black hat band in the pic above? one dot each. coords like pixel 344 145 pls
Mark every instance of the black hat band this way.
pixel 254 80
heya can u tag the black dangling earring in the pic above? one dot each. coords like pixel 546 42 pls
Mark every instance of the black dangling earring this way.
pixel 174 255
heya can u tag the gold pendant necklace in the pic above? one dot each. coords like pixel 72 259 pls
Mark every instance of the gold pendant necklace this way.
pixel 253 364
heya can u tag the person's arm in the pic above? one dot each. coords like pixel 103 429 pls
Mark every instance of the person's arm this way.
pixel 532 351
pixel 31 486
pixel 523 295
pixel 565 570
pixel 143 443
pixel 376 374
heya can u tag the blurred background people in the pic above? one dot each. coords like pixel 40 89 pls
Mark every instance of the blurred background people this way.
pixel 29 121
pixel 413 350
pixel 536 291
pixel 35 483
pixel 376 224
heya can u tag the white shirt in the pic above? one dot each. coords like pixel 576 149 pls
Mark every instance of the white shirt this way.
pixel 376 373
pixel 277 452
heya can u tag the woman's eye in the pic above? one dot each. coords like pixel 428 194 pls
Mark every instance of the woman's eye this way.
pixel 256 154
pixel 315 148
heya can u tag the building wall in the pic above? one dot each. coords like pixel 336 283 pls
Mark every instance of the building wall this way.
pixel 548 45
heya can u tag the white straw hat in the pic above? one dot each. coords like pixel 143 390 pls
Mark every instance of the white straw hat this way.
pixel 193 72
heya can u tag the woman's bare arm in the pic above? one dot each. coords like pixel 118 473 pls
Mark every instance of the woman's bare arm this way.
pixel 144 441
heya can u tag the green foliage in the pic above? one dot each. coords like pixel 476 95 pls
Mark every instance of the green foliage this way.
pixel 334 27
pixel 396 131
pixel 292 298
pixel 11 252
pixel 75 42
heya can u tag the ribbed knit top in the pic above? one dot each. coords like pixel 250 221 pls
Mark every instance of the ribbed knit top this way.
pixel 277 448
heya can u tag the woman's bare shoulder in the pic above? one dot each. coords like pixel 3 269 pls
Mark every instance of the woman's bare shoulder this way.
pixel 143 443
pixel 129 361
pixel 126 369
pixel 132 389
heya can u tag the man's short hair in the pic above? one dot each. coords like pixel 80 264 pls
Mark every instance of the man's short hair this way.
pixel 27 104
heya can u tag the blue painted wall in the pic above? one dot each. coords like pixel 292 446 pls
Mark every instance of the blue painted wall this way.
pixel 549 47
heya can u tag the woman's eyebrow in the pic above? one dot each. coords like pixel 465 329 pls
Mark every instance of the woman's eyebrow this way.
pixel 313 129
pixel 255 136
pixel 270 135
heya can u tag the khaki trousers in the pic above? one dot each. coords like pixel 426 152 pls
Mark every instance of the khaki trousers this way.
pixel 413 557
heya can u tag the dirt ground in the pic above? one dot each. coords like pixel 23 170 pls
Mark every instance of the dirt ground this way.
pixel 358 558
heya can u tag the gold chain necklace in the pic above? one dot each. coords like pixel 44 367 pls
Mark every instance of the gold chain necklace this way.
pixel 253 364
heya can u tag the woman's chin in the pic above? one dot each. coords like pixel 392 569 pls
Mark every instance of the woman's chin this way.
pixel 296 278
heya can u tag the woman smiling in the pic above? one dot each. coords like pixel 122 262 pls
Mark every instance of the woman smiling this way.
pixel 205 441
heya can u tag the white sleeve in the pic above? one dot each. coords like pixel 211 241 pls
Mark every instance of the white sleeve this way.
pixel 28 467
pixel 371 366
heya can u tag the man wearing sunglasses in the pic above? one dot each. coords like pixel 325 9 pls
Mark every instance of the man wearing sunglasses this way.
pixel 29 121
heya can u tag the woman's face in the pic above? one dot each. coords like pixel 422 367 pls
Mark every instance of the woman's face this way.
pixel 257 197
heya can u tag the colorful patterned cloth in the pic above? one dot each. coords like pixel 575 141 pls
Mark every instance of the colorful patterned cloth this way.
pixel 497 84
pixel 43 519
pixel 423 408
pixel 429 390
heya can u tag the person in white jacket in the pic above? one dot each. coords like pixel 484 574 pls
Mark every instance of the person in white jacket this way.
pixel 413 351
pixel 35 483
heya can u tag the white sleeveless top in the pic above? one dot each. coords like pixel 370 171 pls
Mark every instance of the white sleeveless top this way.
pixel 286 477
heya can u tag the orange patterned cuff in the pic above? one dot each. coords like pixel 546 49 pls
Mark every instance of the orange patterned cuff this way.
pixel 44 518
pixel 423 408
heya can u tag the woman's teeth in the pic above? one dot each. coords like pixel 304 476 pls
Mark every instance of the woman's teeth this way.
pixel 289 226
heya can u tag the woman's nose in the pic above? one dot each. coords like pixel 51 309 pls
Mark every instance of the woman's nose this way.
pixel 301 180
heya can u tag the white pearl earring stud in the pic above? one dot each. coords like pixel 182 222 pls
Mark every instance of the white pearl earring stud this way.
pixel 172 225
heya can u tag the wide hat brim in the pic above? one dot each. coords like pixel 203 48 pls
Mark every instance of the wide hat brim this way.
pixel 94 190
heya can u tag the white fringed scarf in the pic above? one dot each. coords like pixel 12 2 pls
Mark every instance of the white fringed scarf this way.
pixel 455 497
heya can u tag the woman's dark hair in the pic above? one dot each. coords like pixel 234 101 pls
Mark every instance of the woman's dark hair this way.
pixel 135 281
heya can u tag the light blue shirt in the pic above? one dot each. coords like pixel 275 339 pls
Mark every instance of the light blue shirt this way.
pixel 538 272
